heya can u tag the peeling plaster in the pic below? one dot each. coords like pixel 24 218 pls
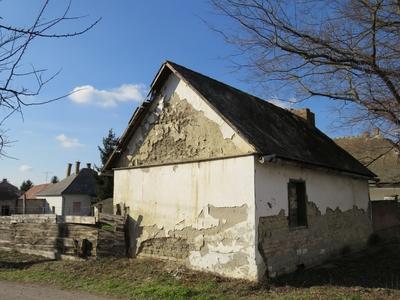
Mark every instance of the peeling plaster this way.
pixel 180 132
pixel 283 248
pixel 219 241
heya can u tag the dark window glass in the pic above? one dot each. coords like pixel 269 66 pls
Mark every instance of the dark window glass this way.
pixel 297 203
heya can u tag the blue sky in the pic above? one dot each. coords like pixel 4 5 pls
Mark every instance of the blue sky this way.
pixel 116 62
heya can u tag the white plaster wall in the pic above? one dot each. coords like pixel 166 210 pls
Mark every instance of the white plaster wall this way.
pixel 172 197
pixel 85 201
pixel 325 189
pixel 55 201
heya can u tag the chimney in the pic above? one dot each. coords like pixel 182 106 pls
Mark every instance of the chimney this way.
pixel 89 165
pixel 306 114
pixel 376 132
pixel 69 167
pixel 4 179
pixel 366 134
pixel 77 164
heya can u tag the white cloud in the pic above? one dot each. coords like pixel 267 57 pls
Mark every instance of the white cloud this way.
pixel 281 103
pixel 67 142
pixel 87 94
pixel 25 168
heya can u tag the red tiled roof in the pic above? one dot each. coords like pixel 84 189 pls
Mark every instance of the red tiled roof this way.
pixel 31 193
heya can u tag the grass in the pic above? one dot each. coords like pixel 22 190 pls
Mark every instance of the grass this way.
pixel 369 275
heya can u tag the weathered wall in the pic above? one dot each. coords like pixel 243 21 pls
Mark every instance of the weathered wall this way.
pixel 84 200
pixel 45 235
pixel 179 127
pixel 337 215
pixel 201 213
pixel 32 206
pixel 379 193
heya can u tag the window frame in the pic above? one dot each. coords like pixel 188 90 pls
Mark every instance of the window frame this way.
pixel 301 210
pixel 74 205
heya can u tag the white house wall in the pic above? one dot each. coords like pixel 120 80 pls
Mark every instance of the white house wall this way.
pixel 337 215
pixel 200 212
pixel 56 201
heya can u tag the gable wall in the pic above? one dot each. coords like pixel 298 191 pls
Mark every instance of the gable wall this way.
pixel 337 213
pixel 84 200
pixel 181 127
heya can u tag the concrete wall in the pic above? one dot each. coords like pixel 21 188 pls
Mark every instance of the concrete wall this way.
pixel 337 212
pixel 379 193
pixel 201 213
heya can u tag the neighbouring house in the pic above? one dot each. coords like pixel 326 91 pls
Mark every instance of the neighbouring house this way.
pixel 73 195
pixel 30 203
pixel 8 198
pixel 379 154
pixel 381 157
pixel 226 182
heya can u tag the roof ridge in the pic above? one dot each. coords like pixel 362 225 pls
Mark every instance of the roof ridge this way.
pixel 230 86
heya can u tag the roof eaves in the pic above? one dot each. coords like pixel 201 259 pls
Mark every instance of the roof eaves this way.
pixel 133 124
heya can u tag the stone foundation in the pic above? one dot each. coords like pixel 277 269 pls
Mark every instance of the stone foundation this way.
pixel 285 249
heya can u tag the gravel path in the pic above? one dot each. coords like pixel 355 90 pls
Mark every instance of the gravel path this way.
pixel 24 291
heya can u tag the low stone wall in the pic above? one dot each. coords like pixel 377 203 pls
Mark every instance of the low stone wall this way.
pixel 285 249
pixel 53 237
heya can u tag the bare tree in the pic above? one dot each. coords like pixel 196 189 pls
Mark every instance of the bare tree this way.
pixel 343 50
pixel 19 82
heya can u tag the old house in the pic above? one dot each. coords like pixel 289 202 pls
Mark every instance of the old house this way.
pixel 30 203
pixel 8 198
pixel 73 195
pixel 226 182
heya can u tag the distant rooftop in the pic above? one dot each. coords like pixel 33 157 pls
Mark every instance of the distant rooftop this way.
pixel 376 153
pixel 81 183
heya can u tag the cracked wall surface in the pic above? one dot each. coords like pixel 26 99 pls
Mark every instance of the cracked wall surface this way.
pixel 337 217
pixel 221 246
pixel 284 249
pixel 199 213
pixel 180 127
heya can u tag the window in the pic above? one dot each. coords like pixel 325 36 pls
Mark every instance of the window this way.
pixel 297 203
pixel 5 210
pixel 76 208
pixel 53 209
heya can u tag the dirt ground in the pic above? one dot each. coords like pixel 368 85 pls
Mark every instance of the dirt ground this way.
pixel 370 274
